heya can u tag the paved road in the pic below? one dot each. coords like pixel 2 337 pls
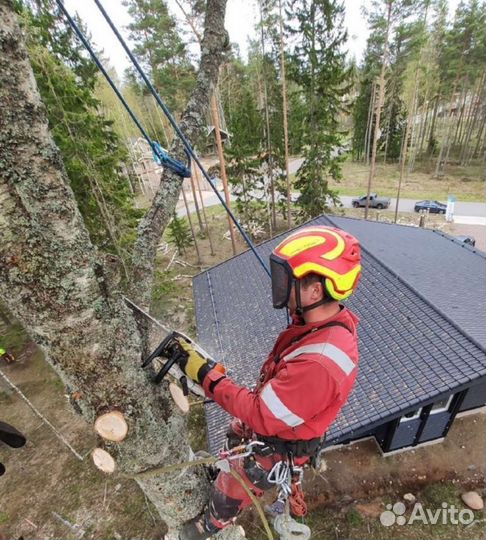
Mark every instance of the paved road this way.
pixel 475 210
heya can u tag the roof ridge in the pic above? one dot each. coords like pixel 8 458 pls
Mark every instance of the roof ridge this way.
pixel 470 248
pixel 421 296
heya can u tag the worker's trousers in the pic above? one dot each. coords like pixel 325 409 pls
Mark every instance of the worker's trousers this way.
pixel 228 497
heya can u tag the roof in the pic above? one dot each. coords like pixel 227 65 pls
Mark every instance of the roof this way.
pixel 420 301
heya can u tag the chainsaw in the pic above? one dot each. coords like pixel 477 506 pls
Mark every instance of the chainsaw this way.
pixel 171 349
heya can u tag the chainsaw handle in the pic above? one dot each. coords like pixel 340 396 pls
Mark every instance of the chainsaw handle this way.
pixel 166 368
pixel 158 351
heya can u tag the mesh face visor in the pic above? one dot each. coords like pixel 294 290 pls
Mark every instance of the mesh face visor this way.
pixel 281 282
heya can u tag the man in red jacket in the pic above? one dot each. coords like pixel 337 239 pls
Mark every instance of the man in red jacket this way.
pixel 306 379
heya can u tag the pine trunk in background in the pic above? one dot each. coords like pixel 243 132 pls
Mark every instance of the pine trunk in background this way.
pixel 472 120
pixel 222 165
pixel 381 96
pixel 404 149
pixel 273 221
pixel 285 119
pixel 431 138
pixel 369 124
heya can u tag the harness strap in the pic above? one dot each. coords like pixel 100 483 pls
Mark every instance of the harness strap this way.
pixel 298 448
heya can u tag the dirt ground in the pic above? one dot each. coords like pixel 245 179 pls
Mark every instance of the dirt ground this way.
pixel 359 481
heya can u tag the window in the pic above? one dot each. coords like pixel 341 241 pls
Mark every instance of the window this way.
pixel 442 405
pixel 412 415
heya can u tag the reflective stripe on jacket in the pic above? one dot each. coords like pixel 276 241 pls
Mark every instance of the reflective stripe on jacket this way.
pixel 303 384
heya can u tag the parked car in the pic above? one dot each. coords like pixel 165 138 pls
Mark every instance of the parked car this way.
pixel 433 207
pixel 467 239
pixel 375 202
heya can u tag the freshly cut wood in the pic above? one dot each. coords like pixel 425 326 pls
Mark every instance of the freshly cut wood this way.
pixel 103 461
pixel 111 426
pixel 179 398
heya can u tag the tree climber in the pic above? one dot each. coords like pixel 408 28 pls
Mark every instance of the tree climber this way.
pixel 306 378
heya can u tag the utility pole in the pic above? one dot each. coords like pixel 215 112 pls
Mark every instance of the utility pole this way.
pixel 222 165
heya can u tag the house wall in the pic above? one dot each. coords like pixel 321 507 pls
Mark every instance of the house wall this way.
pixel 430 424
pixel 475 397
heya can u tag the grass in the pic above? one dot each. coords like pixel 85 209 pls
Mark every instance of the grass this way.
pixel 466 183
pixel 344 522
pixel 13 338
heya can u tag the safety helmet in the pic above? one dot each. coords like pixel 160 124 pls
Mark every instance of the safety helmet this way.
pixel 329 252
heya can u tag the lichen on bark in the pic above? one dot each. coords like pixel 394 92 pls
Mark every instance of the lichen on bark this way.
pixel 63 291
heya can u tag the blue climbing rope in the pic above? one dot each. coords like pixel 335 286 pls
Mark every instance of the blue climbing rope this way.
pixel 187 146
pixel 171 163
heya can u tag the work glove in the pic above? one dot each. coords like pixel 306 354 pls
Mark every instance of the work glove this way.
pixel 195 365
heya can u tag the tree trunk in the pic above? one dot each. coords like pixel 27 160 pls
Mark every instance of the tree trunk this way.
pixel 424 125
pixel 381 96
pixel 58 286
pixel 285 118
pixel 268 136
pixel 222 166
pixel 214 43
pixel 404 148
pixel 472 120
pixel 462 116
pixel 431 143
pixel 369 123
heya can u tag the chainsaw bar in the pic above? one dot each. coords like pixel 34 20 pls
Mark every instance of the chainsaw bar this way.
pixel 171 367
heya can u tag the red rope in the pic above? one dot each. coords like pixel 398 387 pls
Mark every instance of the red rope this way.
pixel 298 506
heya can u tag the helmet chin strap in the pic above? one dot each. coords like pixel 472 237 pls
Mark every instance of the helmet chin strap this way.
pixel 300 310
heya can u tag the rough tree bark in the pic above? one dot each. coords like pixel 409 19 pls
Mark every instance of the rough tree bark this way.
pixel 214 43
pixel 66 294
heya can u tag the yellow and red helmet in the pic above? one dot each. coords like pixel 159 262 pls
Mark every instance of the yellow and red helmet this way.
pixel 326 251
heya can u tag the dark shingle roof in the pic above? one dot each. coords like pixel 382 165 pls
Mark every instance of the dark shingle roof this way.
pixel 409 351
pixel 448 273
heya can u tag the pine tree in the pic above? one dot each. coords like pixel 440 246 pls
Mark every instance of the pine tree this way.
pixel 317 65
pixel 90 148
pixel 461 64
pixel 161 50
pixel 363 121
pixel 179 233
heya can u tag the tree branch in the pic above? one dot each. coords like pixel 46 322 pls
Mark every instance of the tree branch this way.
pixel 214 43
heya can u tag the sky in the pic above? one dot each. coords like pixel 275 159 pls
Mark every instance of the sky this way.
pixel 241 16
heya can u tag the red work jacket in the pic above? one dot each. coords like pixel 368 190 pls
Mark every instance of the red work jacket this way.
pixel 303 384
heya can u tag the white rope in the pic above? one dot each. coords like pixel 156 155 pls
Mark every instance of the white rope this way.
pixel 40 415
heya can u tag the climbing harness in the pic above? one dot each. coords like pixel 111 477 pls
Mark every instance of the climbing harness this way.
pixel 290 499
pixel 171 163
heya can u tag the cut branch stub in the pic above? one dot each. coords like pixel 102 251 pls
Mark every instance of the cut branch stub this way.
pixel 179 398
pixel 103 461
pixel 111 426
